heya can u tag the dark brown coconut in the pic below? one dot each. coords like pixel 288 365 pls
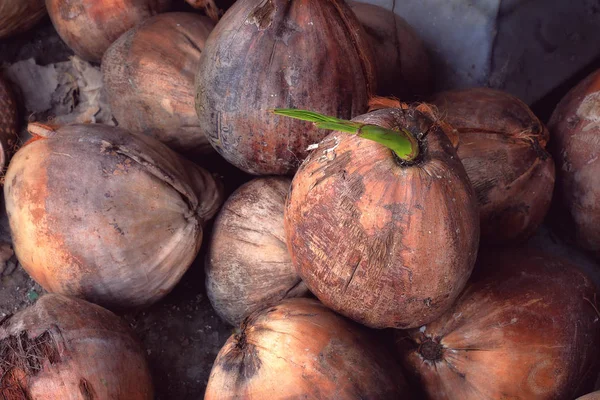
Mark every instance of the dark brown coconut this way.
pixel 403 66
pixel 267 54
pixel 99 213
pixel 248 266
pixel 9 123
pixel 89 27
pixel 524 328
pixel 64 348
pixel 17 16
pixel 575 145
pixel 502 145
pixel 149 77
pixel 386 244
pixel 299 349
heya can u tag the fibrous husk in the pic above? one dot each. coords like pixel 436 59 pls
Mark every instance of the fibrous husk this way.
pixel 502 145
pixel 385 243
pixel 525 327
pixel 103 214
pixel 267 54
pixel 149 77
pixel 17 16
pixel 248 266
pixel 89 27
pixel 301 349
pixel 64 348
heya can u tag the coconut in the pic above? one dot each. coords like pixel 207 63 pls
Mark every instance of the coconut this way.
pixel 266 54
pixel 149 77
pixel 526 327
pixel 403 66
pixel 300 349
pixel 89 27
pixel 65 348
pixel 575 145
pixel 502 145
pixel 100 213
pixel 383 225
pixel 248 266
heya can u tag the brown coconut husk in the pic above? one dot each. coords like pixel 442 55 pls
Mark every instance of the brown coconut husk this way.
pixel 22 357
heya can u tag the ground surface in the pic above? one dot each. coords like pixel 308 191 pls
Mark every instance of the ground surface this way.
pixel 182 335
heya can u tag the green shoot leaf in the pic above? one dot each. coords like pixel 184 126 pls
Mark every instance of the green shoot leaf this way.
pixel 401 142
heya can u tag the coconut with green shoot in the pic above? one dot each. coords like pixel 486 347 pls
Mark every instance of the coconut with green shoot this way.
pixel 381 222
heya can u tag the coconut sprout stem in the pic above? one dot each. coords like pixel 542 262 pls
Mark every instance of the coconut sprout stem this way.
pixel 401 142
